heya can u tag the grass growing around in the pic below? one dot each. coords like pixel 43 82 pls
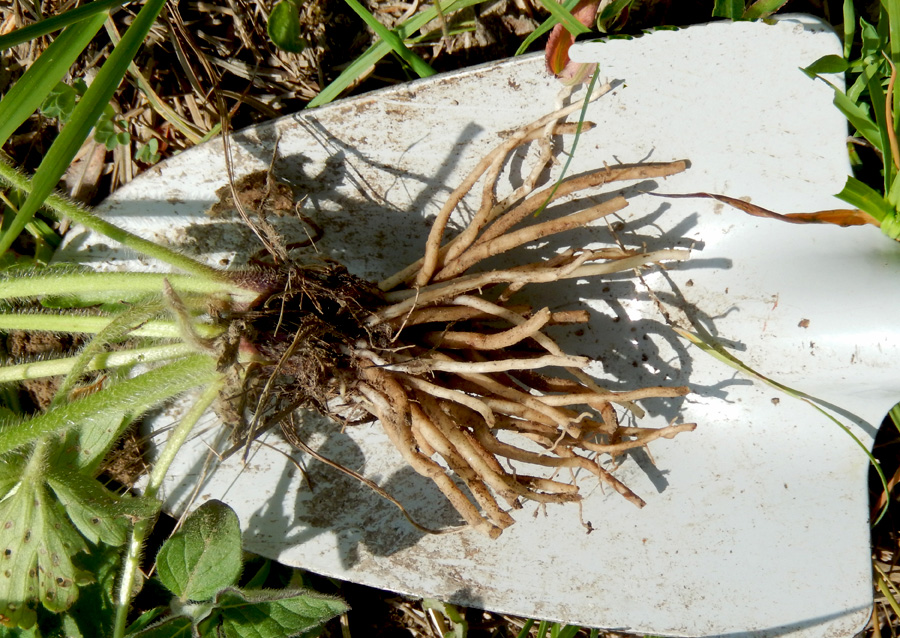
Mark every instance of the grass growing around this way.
pixel 140 112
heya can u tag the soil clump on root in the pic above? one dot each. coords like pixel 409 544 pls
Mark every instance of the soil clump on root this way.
pixel 463 379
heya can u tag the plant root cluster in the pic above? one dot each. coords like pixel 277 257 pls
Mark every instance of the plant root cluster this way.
pixel 463 378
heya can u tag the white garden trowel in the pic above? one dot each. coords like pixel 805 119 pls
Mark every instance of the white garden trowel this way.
pixel 755 524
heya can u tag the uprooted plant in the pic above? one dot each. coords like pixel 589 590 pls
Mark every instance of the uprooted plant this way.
pixel 457 370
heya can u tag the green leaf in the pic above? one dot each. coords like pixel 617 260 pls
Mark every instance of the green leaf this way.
pixel 274 613
pixel 762 9
pixel 106 132
pixel 420 66
pixel 204 557
pixel 284 27
pixel 827 64
pixel 858 116
pixel 865 198
pixel 60 102
pixel 148 153
pixel 29 91
pixel 55 23
pixel 94 610
pixel 176 627
pixel 98 514
pixel 85 115
pixel 565 17
pixel 546 25
pixel 380 49
pixel 610 13
pixel 731 9
pixel 37 543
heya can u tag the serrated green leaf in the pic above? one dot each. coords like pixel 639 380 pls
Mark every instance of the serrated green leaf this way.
pixel 274 613
pixel 98 514
pixel 176 627
pixel 37 543
pixel 284 27
pixel 204 557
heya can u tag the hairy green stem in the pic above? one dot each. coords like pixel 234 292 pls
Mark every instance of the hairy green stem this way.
pixel 107 360
pixel 91 324
pixel 142 529
pixel 135 395
pixel 87 219
pixel 107 285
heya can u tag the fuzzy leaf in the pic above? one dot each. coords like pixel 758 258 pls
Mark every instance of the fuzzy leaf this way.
pixel 274 613
pixel 37 543
pixel 98 514
pixel 204 557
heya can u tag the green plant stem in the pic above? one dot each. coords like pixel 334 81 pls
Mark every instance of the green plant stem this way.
pixel 142 528
pixel 92 324
pixel 420 66
pixel 109 284
pixel 87 219
pixel 135 395
pixel 117 359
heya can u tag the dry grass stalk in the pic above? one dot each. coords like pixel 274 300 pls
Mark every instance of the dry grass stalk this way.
pixel 445 363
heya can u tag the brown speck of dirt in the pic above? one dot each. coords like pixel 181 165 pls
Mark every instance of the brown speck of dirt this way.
pixel 775 400
pixel 804 323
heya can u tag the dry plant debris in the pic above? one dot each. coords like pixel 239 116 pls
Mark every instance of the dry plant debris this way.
pixel 444 360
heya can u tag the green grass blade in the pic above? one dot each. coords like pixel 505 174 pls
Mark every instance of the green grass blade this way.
pixel 849 27
pixel 731 9
pixel 29 91
pixel 859 118
pixel 57 22
pixel 380 49
pixel 882 121
pixel 526 628
pixel 762 9
pixel 564 17
pixel 85 115
pixel 571 153
pixel 546 25
pixel 892 9
pixel 865 198
pixel 420 66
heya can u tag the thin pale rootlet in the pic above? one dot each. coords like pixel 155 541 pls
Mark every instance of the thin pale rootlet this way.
pixel 455 367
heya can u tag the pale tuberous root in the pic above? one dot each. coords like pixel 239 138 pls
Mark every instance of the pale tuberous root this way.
pixel 454 371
